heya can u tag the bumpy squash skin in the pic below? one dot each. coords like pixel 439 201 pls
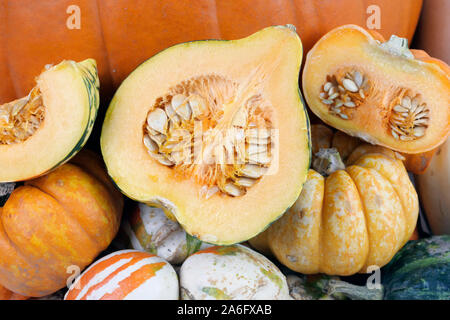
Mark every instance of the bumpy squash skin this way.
pixel 231 272
pixel 419 271
pixel 88 68
pixel 5 294
pixel 433 188
pixel 64 218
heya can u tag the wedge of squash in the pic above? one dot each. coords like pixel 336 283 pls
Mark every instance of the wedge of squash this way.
pixel 49 126
pixel 214 132
pixel 378 90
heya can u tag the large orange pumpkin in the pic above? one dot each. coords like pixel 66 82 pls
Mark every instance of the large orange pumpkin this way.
pixel 63 219
pixel 121 34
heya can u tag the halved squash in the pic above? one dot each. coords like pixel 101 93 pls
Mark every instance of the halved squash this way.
pixel 214 132
pixel 49 126
pixel 379 91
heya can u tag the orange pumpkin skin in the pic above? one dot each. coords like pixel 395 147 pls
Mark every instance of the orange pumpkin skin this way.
pixel 324 137
pixel 5 294
pixel 59 220
pixel 35 33
pixel 353 219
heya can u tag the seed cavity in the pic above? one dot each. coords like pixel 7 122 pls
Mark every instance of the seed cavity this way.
pixel 344 89
pixel 20 119
pixel 213 130
pixel 409 117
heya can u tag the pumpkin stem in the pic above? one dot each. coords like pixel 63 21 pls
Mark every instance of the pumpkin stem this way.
pixel 397 46
pixel 327 161
pixel 354 292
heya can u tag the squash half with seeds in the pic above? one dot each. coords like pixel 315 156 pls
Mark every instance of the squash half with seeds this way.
pixel 377 90
pixel 214 132
pixel 49 126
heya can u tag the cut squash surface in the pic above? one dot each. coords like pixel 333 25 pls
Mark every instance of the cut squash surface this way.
pixel 49 126
pixel 214 132
pixel 379 91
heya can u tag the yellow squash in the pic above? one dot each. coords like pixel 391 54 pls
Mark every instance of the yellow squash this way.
pixel 347 218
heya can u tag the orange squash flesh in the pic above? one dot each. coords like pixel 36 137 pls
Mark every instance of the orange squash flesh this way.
pixel 391 74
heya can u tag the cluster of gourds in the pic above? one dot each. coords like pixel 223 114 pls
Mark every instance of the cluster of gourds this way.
pixel 352 207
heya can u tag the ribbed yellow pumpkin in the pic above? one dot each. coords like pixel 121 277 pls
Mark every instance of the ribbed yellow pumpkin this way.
pixel 347 218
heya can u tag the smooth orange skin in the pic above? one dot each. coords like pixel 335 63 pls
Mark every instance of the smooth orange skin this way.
pixel 34 33
pixel 61 219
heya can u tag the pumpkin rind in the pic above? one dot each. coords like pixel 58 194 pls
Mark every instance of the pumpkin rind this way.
pixel 70 93
pixel 325 137
pixel 103 34
pixel 62 219
pixel 126 275
pixel 419 271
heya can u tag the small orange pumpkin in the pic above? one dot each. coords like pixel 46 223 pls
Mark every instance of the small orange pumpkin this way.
pixel 62 219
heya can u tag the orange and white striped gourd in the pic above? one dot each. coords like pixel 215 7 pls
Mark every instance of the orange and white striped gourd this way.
pixel 126 275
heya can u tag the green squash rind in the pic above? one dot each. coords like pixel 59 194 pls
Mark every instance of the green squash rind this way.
pixel 420 270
